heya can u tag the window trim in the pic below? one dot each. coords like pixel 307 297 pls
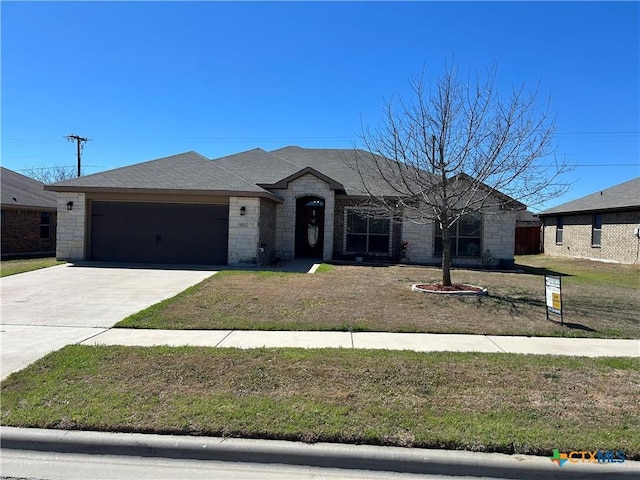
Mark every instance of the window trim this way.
pixel 456 237
pixel 559 230
pixel 596 227
pixel 46 225
pixel 366 212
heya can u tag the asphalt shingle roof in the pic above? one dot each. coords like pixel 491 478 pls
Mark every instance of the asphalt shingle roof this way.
pixel 335 163
pixel 185 171
pixel 623 196
pixel 21 191
pixel 253 171
pixel 257 166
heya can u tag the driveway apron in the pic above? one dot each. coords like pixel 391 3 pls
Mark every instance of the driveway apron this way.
pixel 47 309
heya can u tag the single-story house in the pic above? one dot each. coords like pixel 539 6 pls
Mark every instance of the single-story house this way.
pixel 251 208
pixel 604 225
pixel 28 216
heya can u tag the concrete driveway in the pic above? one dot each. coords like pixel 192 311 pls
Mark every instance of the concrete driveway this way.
pixel 46 309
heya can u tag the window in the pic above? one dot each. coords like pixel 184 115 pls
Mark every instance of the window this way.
pixel 559 229
pixel 45 225
pixel 367 234
pixel 596 231
pixel 465 237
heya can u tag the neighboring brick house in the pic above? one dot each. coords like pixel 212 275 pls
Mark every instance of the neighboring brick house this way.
pixel 601 226
pixel 28 216
pixel 251 208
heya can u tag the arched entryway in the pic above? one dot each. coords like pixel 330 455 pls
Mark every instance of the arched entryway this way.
pixel 309 227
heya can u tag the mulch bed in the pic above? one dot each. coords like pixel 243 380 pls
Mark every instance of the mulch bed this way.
pixel 438 287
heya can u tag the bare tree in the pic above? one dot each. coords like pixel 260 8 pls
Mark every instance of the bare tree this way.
pixel 459 148
pixel 48 175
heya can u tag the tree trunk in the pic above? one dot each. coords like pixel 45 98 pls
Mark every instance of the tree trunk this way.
pixel 446 256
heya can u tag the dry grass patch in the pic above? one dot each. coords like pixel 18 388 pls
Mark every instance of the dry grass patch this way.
pixel 486 402
pixel 361 298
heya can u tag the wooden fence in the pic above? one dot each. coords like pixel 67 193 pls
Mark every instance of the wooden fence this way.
pixel 527 240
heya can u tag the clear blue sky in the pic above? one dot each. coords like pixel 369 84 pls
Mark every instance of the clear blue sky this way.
pixel 144 80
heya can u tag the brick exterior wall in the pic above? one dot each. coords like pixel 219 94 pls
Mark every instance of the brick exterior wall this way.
pixel 618 242
pixel 267 232
pixel 306 185
pixel 243 230
pixel 71 238
pixel 21 232
pixel 340 234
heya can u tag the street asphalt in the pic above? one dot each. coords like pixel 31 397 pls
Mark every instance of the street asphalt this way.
pixel 325 455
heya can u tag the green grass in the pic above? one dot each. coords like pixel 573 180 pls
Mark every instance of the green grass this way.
pixel 599 300
pixel 486 402
pixel 324 268
pixel 12 267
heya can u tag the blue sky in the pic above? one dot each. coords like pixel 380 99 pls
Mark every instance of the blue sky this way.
pixel 144 80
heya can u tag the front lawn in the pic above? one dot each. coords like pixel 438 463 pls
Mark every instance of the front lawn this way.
pixel 485 402
pixel 600 300
pixel 11 267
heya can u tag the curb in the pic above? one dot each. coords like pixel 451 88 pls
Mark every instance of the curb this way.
pixel 328 455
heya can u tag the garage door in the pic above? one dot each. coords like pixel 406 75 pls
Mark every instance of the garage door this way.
pixel 159 233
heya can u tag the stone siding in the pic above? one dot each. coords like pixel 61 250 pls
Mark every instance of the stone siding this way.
pixel 420 238
pixel 306 185
pixel 71 239
pixel 499 235
pixel 267 227
pixel 497 238
pixel 21 232
pixel 243 230
pixel 618 242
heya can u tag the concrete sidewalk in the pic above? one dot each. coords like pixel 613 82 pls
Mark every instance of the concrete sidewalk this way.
pixel 420 342
pixel 328 455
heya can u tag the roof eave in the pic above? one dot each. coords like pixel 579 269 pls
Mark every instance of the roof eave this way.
pixel 589 211
pixel 165 191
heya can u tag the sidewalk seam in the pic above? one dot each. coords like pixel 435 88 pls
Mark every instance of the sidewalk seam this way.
pixel 499 347
pixel 223 339
pixel 93 336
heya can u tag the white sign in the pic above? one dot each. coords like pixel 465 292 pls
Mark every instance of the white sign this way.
pixel 553 291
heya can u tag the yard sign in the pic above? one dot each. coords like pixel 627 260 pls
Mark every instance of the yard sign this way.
pixel 553 291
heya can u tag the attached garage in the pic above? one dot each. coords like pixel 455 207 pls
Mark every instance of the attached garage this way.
pixel 169 233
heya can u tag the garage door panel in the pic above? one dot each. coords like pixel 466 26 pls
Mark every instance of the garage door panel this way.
pixel 159 233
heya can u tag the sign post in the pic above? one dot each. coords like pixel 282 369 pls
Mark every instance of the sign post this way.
pixel 553 293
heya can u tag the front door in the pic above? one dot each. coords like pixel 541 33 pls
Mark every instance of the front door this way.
pixel 309 227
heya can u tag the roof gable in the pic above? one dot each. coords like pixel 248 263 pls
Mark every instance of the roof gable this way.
pixel 334 163
pixel 284 183
pixel 21 191
pixel 624 196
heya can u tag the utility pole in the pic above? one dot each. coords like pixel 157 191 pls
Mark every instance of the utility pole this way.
pixel 79 141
